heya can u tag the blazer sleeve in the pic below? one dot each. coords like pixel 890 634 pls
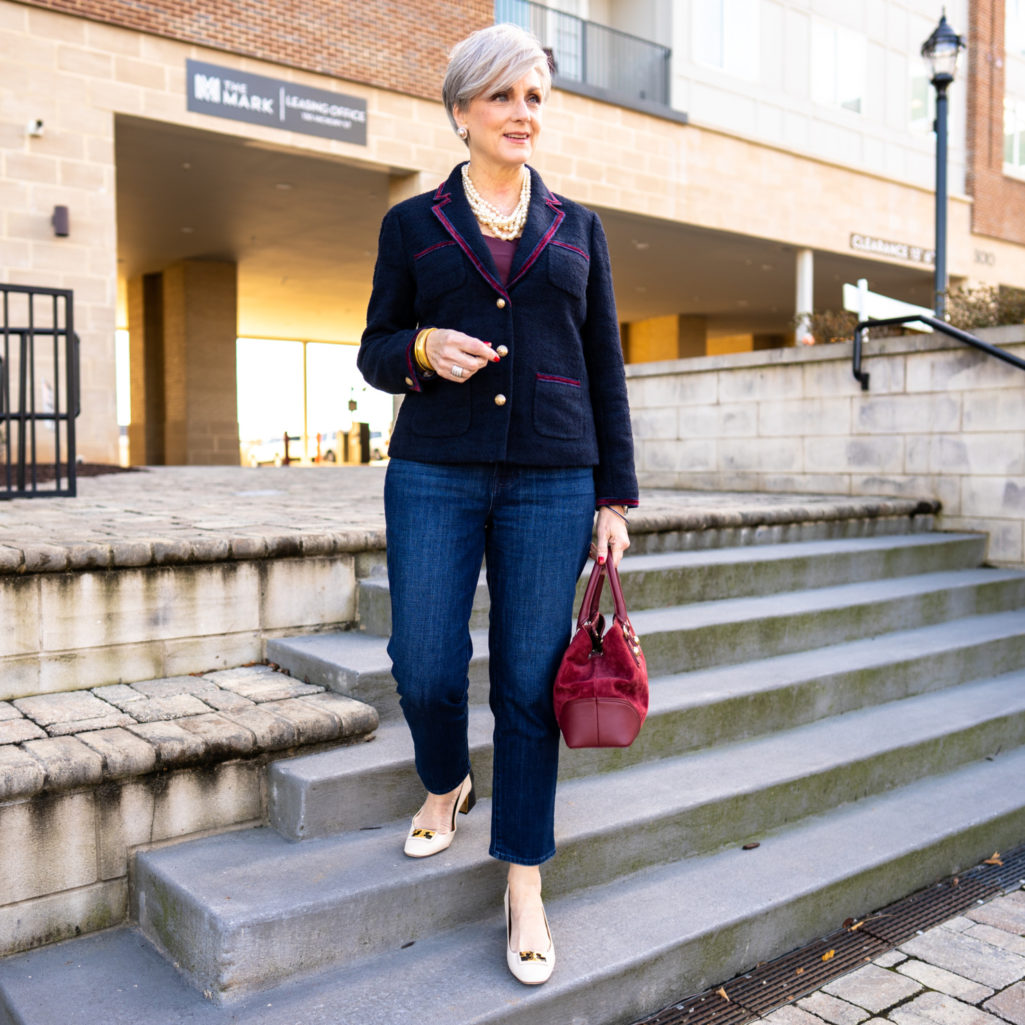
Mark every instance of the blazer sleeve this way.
pixel 614 476
pixel 385 357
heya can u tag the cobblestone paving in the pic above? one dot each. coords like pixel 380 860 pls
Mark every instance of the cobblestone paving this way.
pixel 175 514
pixel 232 690
pixel 60 741
pixel 968 971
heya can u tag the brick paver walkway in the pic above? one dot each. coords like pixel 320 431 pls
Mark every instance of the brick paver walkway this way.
pixel 968 971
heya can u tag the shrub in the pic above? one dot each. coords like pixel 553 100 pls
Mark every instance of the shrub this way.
pixel 970 308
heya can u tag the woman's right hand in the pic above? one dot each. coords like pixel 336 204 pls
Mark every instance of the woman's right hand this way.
pixel 448 350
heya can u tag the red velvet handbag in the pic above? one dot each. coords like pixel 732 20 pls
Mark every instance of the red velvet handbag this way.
pixel 601 688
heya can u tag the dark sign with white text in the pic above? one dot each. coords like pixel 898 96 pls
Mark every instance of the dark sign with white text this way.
pixel 241 96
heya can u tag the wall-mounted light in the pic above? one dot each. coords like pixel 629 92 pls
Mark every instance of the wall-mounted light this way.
pixel 34 128
pixel 61 221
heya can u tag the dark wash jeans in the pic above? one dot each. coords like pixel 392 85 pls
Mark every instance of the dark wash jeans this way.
pixel 533 527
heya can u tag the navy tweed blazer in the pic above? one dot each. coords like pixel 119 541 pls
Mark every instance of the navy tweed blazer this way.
pixel 559 397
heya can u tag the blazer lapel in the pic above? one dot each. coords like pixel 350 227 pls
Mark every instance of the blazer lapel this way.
pixel 543 220
pixel 452 210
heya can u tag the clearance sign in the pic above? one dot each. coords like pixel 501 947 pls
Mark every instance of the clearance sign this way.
pixel 241 96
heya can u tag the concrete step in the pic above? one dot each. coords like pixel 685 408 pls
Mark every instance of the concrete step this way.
pixel 625 945
pixel 244 911
pixel 697 635
pixel 677 578
pixel 735 630
pixel 326 793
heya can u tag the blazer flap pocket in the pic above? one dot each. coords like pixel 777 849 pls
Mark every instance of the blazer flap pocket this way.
pixel 560 406
pixel 567 268
pixel 439 269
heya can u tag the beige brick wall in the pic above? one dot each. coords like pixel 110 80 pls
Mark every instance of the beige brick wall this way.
pixel 319 35
pixel 940 421
pixel 46 71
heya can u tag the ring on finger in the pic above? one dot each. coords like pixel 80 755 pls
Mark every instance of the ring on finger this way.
pixel 457 370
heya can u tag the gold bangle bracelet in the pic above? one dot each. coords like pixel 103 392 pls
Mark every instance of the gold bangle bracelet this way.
pixel 420 350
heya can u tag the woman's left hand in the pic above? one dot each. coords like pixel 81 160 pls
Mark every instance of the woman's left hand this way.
pixel 610 536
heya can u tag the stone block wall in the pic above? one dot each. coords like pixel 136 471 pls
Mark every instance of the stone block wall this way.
pixel 70 630
pixel 78 797
pixel 940 420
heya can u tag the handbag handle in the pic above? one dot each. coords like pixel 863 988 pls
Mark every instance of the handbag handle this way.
pixel 592 596
pixel 617 591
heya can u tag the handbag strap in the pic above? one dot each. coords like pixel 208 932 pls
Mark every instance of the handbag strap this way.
pixel 592 597
pixel 589 607
pixel 617 592
pixel 622 618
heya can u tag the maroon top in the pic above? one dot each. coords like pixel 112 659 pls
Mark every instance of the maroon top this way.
pixel 502 253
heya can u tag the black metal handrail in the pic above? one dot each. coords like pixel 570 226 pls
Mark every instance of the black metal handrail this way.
pixel 32 465
pixel 936 325
pixel 618 64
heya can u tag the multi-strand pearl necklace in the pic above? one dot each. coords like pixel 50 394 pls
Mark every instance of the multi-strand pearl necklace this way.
pixel 504 227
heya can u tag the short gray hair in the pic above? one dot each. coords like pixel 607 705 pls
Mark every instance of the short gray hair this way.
pixel 492 58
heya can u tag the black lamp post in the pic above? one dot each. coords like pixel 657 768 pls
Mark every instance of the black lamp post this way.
pixel 941 51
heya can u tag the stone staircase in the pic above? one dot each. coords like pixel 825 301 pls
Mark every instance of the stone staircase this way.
pixel 855 705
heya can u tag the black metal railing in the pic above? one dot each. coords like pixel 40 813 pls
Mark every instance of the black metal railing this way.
pixel 936 325
pixel 620 65
pixel 39 394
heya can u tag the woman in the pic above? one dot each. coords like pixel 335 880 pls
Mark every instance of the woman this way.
pixel 492 312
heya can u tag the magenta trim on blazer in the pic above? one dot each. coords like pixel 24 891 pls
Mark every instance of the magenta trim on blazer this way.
pixel 552 203
pixel 464 245
pixel 430 249
pixel 566 245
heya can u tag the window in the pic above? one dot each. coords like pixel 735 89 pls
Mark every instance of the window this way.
pixel 558 24
pixel 1014 137
pixel 1014 27
pixel 726 36
pixel 838 67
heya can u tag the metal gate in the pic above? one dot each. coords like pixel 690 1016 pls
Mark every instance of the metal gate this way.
pixel 39 393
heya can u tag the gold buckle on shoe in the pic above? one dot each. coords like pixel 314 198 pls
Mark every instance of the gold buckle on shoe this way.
pixel 532 955
pixel 424 834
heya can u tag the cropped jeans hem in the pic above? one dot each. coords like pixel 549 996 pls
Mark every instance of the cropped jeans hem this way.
pixel 512 859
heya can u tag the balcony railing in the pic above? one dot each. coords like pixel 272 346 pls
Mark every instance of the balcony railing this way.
pixel 615 64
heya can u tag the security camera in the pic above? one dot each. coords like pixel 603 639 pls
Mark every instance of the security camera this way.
pixel 35 128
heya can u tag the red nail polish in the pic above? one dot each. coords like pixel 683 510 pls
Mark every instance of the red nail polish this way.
pixel 601 560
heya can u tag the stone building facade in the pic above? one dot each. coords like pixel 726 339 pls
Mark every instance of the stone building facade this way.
pixel 791 149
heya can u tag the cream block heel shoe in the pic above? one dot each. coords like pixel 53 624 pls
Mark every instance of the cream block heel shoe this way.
pixel 422 843
pixel 531 967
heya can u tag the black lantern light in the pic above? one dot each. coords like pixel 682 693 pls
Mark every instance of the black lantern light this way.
pixel 940 52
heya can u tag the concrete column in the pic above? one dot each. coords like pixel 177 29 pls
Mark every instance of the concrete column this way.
pixel 146 369
pixel 200 321
pixel 805 298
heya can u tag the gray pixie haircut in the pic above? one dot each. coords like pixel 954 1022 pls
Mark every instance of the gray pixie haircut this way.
pixel 492 58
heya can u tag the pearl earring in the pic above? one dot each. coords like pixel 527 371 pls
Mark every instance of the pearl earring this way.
pixel 462 132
